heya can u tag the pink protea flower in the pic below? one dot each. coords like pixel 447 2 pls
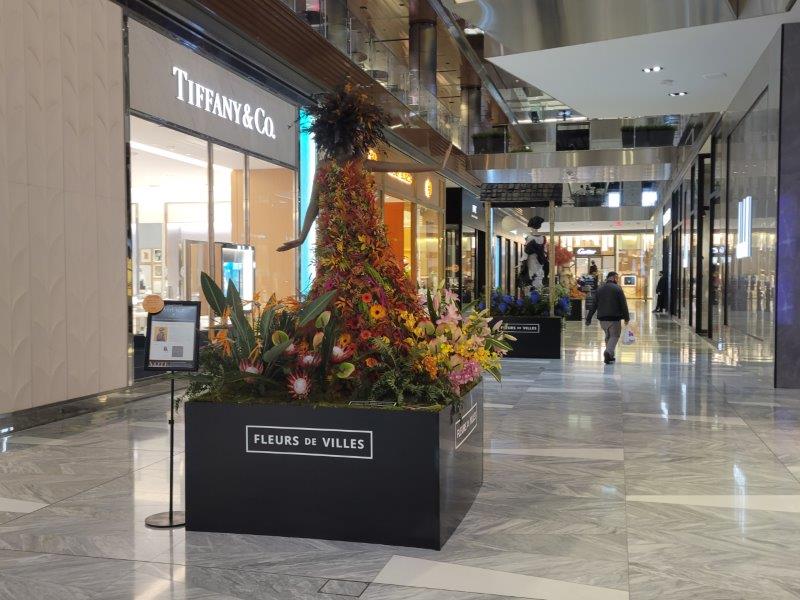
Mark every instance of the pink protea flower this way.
pixel 256 367
pixel 469 371
pixel 299 385
pixel 309 360
pixel 340 354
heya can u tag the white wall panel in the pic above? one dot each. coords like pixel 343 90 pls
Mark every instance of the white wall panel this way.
pixel 63 302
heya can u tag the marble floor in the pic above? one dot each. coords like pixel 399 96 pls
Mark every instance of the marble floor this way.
pixel 673 474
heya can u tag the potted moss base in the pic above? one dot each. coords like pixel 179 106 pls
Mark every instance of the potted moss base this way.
pixel 377 475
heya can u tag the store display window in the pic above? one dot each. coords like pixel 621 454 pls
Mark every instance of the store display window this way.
pixel 248 202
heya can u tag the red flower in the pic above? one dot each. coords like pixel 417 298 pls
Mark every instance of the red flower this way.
pixel 371 362
pixel 365 335
pixel 366 297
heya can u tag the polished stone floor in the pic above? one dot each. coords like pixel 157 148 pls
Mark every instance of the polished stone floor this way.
pixel 671 474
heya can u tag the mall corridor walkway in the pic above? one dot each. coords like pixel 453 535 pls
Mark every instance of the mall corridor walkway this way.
pixel 672 475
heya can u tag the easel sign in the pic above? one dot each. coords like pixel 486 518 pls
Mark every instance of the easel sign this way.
pixel 172 337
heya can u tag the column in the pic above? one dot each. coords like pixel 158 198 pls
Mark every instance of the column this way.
pixel 422 55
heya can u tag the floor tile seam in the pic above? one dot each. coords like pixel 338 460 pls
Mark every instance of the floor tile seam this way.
pixel 372 584
pixel 770 450
pixel 251 568
pixel 89 489
pixel 625 505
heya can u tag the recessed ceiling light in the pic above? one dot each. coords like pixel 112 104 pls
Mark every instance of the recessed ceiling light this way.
pixel 653 69
pixel 674 94
pixel 715 76
pixel 473 31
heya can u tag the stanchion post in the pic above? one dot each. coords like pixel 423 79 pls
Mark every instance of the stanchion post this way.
pixel 171 518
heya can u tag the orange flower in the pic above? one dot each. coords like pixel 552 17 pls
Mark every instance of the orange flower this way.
pixel 366 297
pixel 345 340
pixel 377 312
pixel 371 362
pixel 365 335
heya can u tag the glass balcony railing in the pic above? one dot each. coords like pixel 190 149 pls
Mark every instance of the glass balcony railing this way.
pixel 383 60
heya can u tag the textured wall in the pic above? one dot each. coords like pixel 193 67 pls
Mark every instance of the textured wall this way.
pixel 63 324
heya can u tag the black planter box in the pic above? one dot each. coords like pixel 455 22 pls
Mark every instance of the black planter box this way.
pixel 575 309
pixel 357 474
pixel 537 337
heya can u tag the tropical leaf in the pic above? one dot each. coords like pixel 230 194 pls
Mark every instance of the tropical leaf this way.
pixel 323 319
pixel 279 337
pixel 344 370
pixel 245 336
pixel 431 310
pixel 266 324
pixel 314 308
pixel 273 353
pixel 213 294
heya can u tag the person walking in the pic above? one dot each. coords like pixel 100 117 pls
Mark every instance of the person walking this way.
pixel 661 293
pixel 611 307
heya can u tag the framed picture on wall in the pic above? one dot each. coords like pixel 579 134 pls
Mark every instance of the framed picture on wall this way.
pixel 157 255
pixel 145 280
pixel 145 255
pixel 158 285
pixel 158 270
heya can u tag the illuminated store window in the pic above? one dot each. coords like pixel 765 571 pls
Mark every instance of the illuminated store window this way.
pixel 273 215
pixel 428 247
pixel 397 216
pixel 170 210
pixel 169 194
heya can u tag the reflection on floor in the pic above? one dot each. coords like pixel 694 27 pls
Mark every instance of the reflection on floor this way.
pixel 672 474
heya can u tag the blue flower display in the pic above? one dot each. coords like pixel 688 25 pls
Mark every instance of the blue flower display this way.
pixel 503 307
pixel 535 297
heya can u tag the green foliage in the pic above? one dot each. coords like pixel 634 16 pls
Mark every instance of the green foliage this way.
pixel 214 296
pixel 314 308
pixel 396 380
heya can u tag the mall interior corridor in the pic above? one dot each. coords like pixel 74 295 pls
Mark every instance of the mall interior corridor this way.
pixel 674 473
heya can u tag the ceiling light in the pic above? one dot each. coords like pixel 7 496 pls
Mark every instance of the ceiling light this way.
pixel 473 31
pixel 675 94
pixel 653 69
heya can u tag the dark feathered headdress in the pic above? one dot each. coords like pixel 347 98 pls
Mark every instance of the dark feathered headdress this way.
pixel 346 121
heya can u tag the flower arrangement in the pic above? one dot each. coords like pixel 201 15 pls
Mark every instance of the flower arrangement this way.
pixel 535 304
pixel 563 256
pixel 285 351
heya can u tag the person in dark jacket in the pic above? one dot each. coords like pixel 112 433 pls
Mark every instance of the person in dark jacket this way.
pixel 611 307
pixel 661 293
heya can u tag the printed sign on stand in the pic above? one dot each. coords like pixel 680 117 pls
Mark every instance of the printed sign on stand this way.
pixel 172 343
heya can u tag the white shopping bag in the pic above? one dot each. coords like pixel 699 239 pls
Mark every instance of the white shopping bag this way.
pixel 628 337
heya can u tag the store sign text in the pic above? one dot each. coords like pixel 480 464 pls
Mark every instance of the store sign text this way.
pixel 205 98
pixel 309 441
pixel 404 177
pixel 584 251
pixel 466 425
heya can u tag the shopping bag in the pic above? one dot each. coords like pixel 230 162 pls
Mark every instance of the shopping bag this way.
pixel 628 337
